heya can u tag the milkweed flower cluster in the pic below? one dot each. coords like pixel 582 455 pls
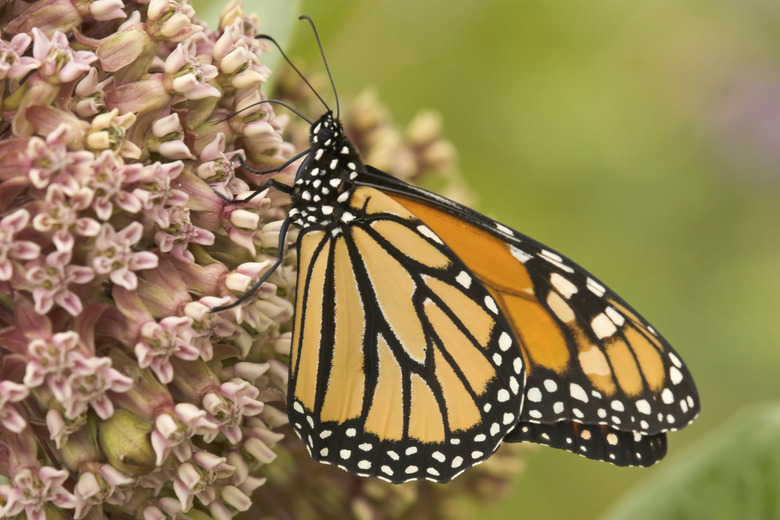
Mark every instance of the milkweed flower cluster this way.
pixel 121 394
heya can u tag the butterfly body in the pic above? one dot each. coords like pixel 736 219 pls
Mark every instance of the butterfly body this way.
pixel 425 334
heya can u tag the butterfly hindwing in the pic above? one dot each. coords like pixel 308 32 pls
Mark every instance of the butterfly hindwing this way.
pixel 402 365
pixel 595 441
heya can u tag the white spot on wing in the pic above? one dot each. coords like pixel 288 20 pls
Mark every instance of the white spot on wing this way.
pixel 505 230
pixel 643 407
pixel 521 255
pixel 615 316
pixel 602 326
pixel 464 279
pixel 675 375
pixel 428 232
pixel 578 393
pixel 563 285
pixel 534 395
pixel 595 287
pixel 556 260
pixel 504 341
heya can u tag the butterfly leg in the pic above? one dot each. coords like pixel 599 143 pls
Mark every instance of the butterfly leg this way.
pixel 281 249
pixel 279 168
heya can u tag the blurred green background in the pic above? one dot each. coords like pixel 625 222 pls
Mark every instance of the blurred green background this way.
pixel 641 140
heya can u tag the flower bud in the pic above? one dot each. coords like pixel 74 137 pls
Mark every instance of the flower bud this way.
pixel 126 444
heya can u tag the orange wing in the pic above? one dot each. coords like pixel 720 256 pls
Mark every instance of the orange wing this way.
pixel 590 358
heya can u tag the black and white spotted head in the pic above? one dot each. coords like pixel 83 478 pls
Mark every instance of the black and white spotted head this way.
pixel 326 178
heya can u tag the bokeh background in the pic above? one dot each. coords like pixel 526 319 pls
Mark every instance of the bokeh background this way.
pixel 641 140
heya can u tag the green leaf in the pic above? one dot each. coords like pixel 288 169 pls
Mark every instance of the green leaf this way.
pixel 733 473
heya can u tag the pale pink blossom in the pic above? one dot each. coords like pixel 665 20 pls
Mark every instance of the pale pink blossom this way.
pixel 51 359
pixel 170 134
pixel 108 131
pixel 58 59
pixel 11 249
pixel 50 161
pixel 52 278
pixel 237 56
pixel 172 336
pixel 156 194
pixel 87 384
pixel 33 490
pixel 61 427
pixel 173 432
pixel 106 9
pixel 180 233
pixel 62 216
pixel 208 325
pixel 190 76
pixel 13 63
pixel 218 169
pixel 108 182
pixel 200 478
pixel 236 399
pixel 10 393
pixel 90 94
pixel 171 20
pixel 95 487
pixel 115 255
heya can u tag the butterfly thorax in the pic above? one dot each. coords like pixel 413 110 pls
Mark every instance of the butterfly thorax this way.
pixel 325 180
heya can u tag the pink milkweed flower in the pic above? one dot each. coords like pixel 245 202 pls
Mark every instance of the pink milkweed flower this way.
pixel 236 399
pixel 88 383
pixel 161 341
pixel 13 63
pixel 50 360
pixel 115 255
pixel 62 216
pixel 51 279
pixel 190 76
pixel 33 490
pixel 10 393
pixel 58 60
pixel 12 249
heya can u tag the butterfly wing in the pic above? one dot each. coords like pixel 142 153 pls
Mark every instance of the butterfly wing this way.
pixel 590 359
pixel 402 365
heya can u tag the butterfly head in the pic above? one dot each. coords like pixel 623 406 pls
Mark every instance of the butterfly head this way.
pixel 324 129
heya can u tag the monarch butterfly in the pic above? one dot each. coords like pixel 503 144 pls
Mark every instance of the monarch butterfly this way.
pixel 425 334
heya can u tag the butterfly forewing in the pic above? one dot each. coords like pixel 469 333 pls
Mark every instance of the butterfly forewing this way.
pixel 402 366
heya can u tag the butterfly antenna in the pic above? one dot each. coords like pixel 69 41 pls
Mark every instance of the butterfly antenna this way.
pixel 275 102
pixel 322 53
pixel 290 63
